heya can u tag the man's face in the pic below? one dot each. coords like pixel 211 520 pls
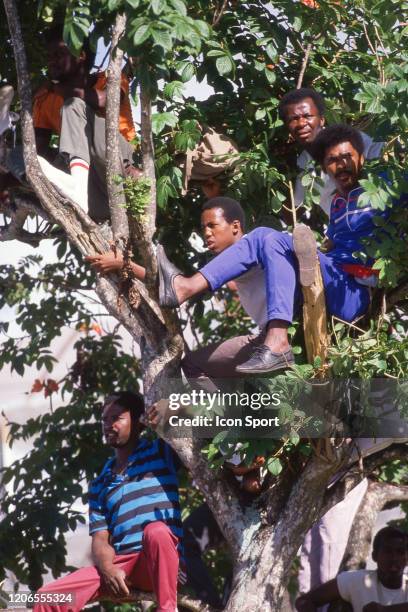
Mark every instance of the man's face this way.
pixel 211 188
pixel 116 425
pixel 303 121
pixel 62 65
pixel 391 559
pixel 343 163
pixel 218 234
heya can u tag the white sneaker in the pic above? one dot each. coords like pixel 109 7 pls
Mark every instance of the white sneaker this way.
pixel 6 98
pixel 64 182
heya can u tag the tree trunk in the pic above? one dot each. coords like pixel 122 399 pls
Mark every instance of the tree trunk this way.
pixel 378 496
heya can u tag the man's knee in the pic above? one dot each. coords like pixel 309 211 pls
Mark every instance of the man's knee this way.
pixel 156 532
pixel 76 107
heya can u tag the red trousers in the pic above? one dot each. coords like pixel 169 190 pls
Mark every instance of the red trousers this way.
pixel 155 568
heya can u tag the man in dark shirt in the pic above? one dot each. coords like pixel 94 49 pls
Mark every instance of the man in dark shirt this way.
pixel 134 518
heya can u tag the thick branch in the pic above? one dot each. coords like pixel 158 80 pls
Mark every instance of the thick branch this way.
pixel 145 226
pixel 114 168
pixel 338 491
pixel 217 489
pixel 378 496
pixel 193 605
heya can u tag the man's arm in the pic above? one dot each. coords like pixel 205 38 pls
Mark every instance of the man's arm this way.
pixel 324 594
pixel 112 262
pixel 103 555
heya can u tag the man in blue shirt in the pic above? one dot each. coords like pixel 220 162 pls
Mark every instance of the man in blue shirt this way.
pixel 340 150
pixel 134 518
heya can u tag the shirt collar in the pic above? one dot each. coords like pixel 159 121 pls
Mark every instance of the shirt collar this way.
pixel 356 192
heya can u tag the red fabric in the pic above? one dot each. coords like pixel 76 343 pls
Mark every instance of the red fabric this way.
pixel 359 270
pixel 80 164
pixel 155 568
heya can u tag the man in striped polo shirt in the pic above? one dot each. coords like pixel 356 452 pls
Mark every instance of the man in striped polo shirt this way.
pixel 134 517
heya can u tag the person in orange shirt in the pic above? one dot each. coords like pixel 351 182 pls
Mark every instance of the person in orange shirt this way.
pixel 72 105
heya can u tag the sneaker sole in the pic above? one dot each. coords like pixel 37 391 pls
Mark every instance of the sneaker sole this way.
pixel 304 245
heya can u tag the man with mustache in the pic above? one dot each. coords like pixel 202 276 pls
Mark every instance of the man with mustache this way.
pixel 340 150
pixel 303 113
pixel 134 518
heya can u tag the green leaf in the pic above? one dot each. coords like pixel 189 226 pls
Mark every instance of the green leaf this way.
pixel 224 65
pixel 160 120
pixel 141 34
pixel 274 466
pixel 133 3
pixel 179 6
pixel 157 6
pixel 113 5
pixel 163 39
pixel 173 90
pixel 188 72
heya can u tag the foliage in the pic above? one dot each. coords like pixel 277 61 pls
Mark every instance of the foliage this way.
pixel 249 55
pixel 137 194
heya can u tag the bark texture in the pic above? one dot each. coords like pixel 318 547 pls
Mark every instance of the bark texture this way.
pixel 379 495
pixel 114 164
pixel 263 536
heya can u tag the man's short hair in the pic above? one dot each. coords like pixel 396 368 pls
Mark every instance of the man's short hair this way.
pixel 297 95
pixel 387 533
pixel 56 33
pixel 334 135
pixel 231 208
pixel 131 402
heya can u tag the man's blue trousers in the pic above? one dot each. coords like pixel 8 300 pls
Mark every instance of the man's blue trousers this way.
pixel 273 250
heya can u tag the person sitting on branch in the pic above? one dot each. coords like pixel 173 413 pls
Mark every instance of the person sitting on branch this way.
pixel 269 266
pixel 134 518
pixel 72 105
pixel 382 590
pixel 286 264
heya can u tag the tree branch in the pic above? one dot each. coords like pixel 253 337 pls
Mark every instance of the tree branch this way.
pixel 356 473
pixel 114 164
pixel 217 489
pixel 377 497
pixel 191 604
pixel 146 226
pixel 304 65
pixel 218 14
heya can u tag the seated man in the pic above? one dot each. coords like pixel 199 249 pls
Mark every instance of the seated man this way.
pixel 272 256
pixel 72 105
pixel 135 519
pixel 382 590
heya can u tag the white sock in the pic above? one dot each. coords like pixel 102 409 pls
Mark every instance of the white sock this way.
pixel 65 182
pixel 80 173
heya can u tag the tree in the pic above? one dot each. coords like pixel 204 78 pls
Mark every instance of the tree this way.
pixel 250 53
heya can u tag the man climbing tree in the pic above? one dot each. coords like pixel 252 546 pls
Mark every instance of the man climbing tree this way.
pixel 173 41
